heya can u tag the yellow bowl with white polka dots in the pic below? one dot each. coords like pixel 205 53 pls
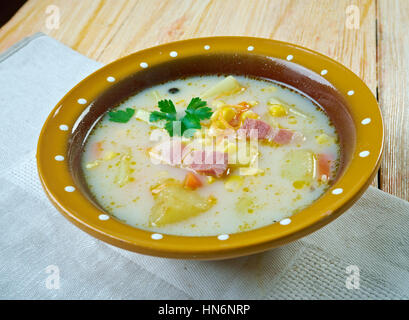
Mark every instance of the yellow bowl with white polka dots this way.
pixel 347 100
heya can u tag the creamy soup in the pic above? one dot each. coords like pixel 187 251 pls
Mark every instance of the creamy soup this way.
pixel 210 155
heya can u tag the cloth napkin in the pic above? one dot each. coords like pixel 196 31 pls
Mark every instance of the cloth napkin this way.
pixel 369 243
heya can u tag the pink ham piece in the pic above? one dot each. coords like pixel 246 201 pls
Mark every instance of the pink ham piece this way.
pixel 265 131
pixel 212 163
pixel 251 126
pixel 283 136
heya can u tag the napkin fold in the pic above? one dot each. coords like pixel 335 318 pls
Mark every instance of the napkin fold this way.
pixel 364 254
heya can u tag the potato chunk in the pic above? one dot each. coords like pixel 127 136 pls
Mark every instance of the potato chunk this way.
pixel 298 165
pixel 174 203
pixel 227 86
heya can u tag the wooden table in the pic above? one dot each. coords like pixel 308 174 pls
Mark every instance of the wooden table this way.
pixel 370 37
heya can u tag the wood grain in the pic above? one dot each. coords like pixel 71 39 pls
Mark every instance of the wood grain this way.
pixel 105 30
pixel 393 64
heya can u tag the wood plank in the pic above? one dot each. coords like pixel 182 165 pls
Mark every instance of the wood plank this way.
pixel 393 46
pixel 105 30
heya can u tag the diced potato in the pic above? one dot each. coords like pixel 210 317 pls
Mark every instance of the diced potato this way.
pixel 325 139
pixel 250 171
pixel 298 165
pixel 233 183
pixel 144 115
pixel 174 203
pixel 124 171
pixel 277 110
pixel 227 86
pixel 245 156
pixel 297 112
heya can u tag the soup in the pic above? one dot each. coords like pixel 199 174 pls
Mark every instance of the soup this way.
pixel 211 155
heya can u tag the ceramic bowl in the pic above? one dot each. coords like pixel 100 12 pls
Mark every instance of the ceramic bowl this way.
pixel 346 99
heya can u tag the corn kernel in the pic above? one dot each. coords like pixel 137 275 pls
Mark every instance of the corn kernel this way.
pixel 228 114
pixel 292 120
pixel 218 124
pixel 249 114
pixel 299 184
pixel 277 110
pixel 231 148
pixel 215 115
pixel 210 179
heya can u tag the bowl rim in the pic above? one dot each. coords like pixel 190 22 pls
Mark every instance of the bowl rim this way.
pixel 56 177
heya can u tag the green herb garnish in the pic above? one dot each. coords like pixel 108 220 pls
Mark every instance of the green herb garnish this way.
pixel 195 111
pixel 121 115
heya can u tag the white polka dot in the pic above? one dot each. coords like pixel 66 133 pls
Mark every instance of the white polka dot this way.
pixel 285 222
pixel 59 158
pixel 103 217
pixel 250 48
pixel 223 237
pixel 290 57
pixel 366 121
pixel 351 92
pixel 207 47
pixel 144 65
pixel 364 154
pixel 63 127
pixel 324 72
pixel 173 54
pixel 156 236
pixel 69 189
pixel 111 79
pixel 82 101
pixel 337 191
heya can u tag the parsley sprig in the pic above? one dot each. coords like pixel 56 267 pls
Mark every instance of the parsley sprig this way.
pixel 121 115
pixel 194 113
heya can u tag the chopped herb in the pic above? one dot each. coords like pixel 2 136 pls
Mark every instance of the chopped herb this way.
pixel 121 115
pixel 195 111
pixel 197 108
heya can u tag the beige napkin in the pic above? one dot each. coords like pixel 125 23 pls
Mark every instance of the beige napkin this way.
pixel 362 255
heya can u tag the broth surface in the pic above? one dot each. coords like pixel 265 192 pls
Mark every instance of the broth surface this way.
pixel 119 171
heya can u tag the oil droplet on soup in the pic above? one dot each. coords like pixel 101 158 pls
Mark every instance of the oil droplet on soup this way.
pixel 218 177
